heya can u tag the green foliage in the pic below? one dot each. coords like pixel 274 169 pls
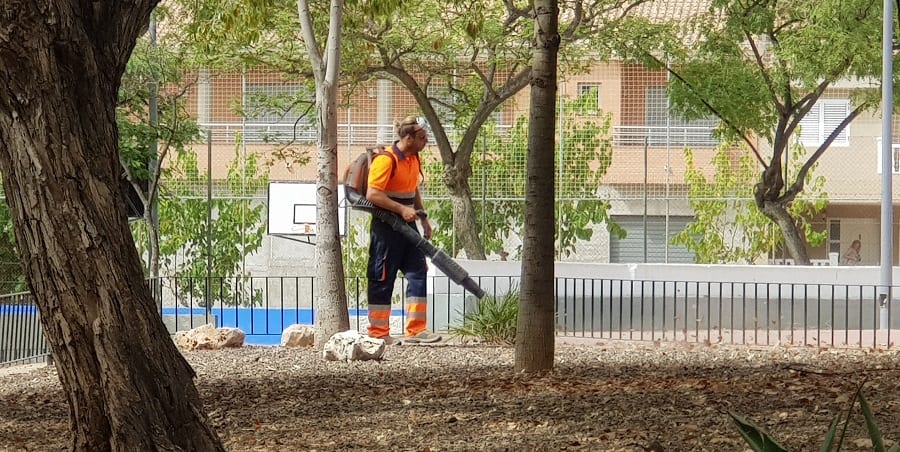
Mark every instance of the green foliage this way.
pixel 807 43
pixel 757 438
pixel 158 70
pixel 356 259
pixel 585 155
pixel 760 67
pixel 760 441
pixel 244 33
pixel 153 70
pixel 356 250
pixel 728 227
pixel 237 225
pixel 12 275
pixel 493 321
pixel 236 231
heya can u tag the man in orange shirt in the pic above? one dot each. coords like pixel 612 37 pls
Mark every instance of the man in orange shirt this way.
pixel 394 186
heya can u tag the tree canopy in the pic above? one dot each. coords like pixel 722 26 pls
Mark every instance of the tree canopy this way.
pixel 761 67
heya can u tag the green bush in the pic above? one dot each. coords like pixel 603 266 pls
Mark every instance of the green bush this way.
pixel 493 321
pixel 760 441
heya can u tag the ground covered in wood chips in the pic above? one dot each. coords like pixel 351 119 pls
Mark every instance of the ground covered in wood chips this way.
pixel 601 396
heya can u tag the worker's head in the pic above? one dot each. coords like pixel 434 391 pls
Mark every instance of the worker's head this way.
pixel 413 133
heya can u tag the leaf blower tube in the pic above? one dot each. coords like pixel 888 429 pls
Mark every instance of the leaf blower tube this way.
pixel 439 258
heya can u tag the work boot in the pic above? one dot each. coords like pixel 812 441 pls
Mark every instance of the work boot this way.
pixel 389 340
pixel 423 338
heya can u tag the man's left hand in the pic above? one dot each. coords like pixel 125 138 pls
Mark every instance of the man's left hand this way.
pixel 426 229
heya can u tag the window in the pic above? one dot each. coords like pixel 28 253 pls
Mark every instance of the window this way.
pixel 895 157
pixel 279 112
pixel 834 236
pixel 593 89
pixel 824 118
pixel 664 127
pixel 281 103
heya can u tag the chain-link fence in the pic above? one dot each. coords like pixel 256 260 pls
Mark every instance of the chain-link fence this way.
pixel 631 175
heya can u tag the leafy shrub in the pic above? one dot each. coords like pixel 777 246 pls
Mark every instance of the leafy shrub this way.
pixel 493 321
pixel 760 441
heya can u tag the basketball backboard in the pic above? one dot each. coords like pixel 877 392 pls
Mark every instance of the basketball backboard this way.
pixel 292 209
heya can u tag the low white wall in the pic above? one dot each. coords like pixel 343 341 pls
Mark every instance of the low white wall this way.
pixel 616 296
pixel 496 277
pixel 692 272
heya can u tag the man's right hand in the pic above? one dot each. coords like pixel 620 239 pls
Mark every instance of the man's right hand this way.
pixel 409 214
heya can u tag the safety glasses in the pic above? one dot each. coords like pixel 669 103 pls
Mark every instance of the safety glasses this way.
pixel 423 123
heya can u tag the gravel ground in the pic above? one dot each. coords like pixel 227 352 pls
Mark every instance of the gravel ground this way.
pixel 600 396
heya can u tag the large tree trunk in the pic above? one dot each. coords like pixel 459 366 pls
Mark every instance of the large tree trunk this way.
pixel 535 328
pixel 127 386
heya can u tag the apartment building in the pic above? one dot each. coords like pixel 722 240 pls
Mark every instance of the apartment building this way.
pixel 645 182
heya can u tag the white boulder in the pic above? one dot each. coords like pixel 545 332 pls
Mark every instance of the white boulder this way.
pixel 298 336
pixel 208 337
pixel 353 346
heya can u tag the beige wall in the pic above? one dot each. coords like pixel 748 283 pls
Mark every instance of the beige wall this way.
pixel 852 172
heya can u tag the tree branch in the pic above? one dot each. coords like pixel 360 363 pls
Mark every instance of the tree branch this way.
pixel 797 186
pixel 762 71
pixel 309 37
pixel 712 109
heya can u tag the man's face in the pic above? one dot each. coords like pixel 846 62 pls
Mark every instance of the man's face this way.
pixel 419 139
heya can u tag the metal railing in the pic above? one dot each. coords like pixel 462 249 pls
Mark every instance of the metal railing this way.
pixel 368 134
pixel 751 313
pixel 21 335
pixel 690 136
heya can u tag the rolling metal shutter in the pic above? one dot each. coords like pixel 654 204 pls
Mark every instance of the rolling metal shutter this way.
pixel 631 248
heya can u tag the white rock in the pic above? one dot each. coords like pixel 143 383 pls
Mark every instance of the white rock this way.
pixel 298 336
pixel 208 337
pixel 230 337
pixel 352 346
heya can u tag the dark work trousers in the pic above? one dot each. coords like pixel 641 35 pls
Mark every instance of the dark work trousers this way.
pixel 389 252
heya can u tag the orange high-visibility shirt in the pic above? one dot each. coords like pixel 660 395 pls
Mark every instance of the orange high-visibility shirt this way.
pixel 402 186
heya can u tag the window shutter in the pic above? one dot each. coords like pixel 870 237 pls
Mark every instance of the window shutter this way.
pixel 809 127
pixel 835 111
pixel 895 152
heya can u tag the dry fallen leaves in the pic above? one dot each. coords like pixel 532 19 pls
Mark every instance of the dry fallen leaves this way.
pixel 613 396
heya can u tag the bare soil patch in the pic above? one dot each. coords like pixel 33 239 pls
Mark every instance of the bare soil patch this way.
pixel 601 396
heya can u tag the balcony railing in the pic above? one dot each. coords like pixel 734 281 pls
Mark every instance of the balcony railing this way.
pixel 367 134
pixel 679 136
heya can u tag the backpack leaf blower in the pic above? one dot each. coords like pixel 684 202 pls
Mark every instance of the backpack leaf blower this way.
pixel 439 258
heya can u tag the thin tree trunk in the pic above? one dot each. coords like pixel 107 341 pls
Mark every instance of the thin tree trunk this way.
pixel 535 328
pixel 467 237
pixel 127 386
pixel 769 200
pixel 793 240
pixel 331 308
